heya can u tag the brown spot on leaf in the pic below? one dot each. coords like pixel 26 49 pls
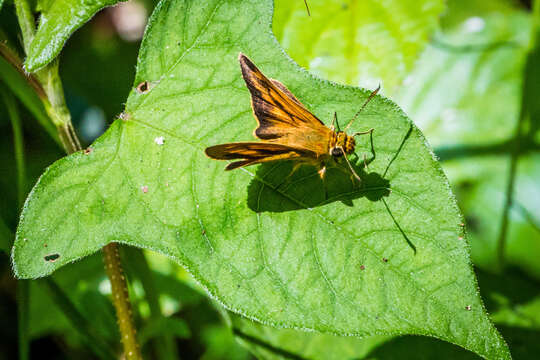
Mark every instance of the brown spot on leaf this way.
pixel 362 267
pixel 143 87
pixel 88 150
pixel 385 260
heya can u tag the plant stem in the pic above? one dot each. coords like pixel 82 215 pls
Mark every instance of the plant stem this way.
pixel 121 301
pixel 56 108
pixel 23 286
pixel 23 290
pixel 528 99
pixel 136 263
pixel 459 151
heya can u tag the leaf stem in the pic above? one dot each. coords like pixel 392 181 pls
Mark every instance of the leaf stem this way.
pixel 58 112
pixel 26 22
pixel 137 264
pixel 121 301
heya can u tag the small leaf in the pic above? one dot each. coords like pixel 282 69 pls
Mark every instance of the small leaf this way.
pixel 361 43
pixel 283 255
pixel 59 19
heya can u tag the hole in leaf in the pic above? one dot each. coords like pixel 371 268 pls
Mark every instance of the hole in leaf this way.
pixel 143 87
pixel 51 257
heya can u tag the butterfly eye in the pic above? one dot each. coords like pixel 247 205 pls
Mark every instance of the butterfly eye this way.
pixel 336 152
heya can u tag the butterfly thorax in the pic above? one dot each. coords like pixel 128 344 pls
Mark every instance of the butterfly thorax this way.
pixel 340 140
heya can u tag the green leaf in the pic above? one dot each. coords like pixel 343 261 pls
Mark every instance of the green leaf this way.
pixel 59 19
pixel 512 299
pixel 361 43
pixel 280 254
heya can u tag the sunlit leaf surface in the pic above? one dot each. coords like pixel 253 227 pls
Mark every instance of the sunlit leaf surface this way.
pixel 387 256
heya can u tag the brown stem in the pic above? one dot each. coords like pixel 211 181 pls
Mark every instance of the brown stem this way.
pixel 113 267
pixel 12 58
pixel 47 84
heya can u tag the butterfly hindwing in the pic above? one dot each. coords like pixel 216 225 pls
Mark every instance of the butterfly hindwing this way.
pixel 255 153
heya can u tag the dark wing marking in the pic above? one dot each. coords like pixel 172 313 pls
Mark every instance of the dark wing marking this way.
pixel 275 107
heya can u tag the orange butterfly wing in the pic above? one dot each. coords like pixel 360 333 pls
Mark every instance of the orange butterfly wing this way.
pixel 281 116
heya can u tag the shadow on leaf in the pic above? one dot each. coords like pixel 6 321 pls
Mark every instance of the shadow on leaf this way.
pixel 275 190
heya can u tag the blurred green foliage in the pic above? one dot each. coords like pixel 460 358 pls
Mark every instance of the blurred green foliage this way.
pixel 463 88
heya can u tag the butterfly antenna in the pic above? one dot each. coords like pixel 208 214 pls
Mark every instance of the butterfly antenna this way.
pixel 371 96
pixel 307 8
pixel 350 166
pixel 336 121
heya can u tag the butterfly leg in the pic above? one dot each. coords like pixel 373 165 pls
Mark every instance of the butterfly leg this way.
pixel 365 163
pixel 287 179
pixel 370 132
pixel 322 174
pixel 350 166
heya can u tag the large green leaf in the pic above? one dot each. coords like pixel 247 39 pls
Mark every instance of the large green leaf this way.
pixel 386 257
pixel 361 43
pixel 59 19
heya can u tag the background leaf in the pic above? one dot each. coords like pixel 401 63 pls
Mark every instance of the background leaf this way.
pixel 59 19
pixel 465 94
pixel 266 342
pixel 361 43
pixel 328 267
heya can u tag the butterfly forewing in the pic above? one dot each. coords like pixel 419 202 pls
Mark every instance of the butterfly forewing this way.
pixel 287 129
pixel 282 117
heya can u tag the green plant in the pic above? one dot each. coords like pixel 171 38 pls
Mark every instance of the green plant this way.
pixel 373 262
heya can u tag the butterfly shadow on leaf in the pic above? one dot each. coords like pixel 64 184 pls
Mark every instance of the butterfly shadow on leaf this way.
pixel 275 189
